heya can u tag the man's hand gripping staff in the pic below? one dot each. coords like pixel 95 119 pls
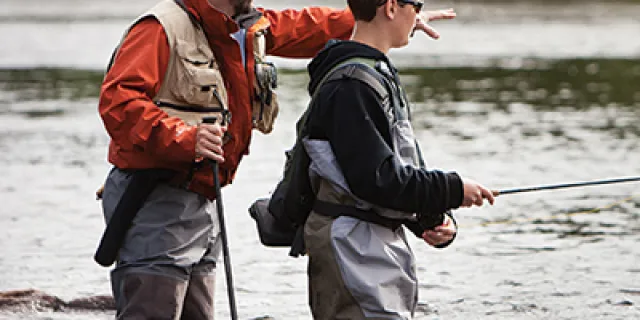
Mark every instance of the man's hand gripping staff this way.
pixel 209 140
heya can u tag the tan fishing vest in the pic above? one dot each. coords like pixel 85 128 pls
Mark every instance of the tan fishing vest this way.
pixel 193 87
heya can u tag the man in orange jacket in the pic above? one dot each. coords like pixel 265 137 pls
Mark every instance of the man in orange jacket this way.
pixel 179 62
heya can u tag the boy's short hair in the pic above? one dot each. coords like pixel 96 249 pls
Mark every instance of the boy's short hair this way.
pixel 365 10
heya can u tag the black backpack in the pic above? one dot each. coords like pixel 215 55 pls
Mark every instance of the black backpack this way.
pixel 280 219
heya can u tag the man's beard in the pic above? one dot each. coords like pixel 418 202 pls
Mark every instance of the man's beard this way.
pixel 241 6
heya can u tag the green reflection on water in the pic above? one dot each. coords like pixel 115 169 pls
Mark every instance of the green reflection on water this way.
pixel 49 84
pixel 544 84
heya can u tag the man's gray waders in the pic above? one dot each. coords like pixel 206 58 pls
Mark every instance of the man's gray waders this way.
pixel 166 265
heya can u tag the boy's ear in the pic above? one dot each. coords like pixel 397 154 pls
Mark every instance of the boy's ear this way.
pixel 390 8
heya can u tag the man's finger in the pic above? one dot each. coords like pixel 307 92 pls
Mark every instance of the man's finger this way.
pixel 438 15
pixel 209 136
pixel 430 31
pixel 210 146
pixel 443 14
pixel 212 156
pixel 214 128
pixel 214 140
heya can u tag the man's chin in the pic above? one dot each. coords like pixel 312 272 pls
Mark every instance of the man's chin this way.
pixel 242 7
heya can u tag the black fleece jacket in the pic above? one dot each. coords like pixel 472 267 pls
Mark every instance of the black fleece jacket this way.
pixel 349 115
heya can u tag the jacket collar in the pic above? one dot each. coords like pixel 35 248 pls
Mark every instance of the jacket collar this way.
pixel 217 23
pixel 246 21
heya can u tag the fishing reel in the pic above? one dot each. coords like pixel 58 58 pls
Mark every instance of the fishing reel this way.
pixel 430 221
pixel 266 75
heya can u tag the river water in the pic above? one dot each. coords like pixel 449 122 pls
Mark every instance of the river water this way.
pixel 514 94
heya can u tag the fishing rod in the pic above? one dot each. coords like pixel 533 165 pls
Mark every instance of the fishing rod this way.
pixel 564 185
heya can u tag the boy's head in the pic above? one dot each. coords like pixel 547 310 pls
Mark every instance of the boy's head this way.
pixel 396 17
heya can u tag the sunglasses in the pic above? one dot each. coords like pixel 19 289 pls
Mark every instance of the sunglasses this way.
pixel 417 5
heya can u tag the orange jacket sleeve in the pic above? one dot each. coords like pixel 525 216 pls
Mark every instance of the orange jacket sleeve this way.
pixel 302 33
pixel 126 106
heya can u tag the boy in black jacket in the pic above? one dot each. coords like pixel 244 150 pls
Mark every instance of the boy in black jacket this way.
pixel 369 175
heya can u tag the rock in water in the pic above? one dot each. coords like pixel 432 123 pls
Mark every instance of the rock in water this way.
pixel 35 300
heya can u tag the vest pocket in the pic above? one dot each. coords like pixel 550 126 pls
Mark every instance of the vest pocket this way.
pixel 265 104
pixel 199 79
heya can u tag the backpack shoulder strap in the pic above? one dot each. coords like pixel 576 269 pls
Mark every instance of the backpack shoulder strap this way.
pixel 355 68
pixel 360 69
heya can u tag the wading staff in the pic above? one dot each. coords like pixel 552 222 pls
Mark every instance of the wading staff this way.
pixel 223 230
pixel 564 185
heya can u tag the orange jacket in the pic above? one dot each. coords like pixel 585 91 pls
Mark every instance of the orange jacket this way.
pixel 143 136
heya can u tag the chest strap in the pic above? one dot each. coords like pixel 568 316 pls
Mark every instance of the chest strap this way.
pixel 335 210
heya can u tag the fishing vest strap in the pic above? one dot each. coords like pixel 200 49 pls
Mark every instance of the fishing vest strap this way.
pixel 335 210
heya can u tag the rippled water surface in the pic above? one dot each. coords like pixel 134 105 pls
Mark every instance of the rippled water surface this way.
pixel 514 94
